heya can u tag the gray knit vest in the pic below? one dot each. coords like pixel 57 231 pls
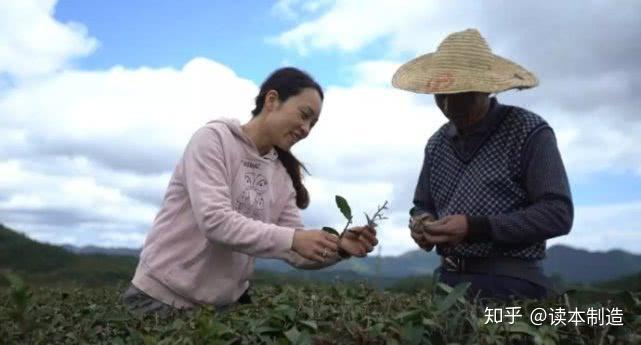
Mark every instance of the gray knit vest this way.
pixel 489 183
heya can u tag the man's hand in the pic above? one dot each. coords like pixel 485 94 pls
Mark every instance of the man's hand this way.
pixel 417 226
pixel 416 222
pixel 422 242
pixel 449 230
pixel 358 241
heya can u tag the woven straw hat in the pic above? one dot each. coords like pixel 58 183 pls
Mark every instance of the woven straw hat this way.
pixel 463 62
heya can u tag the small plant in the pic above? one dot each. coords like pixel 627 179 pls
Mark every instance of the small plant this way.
pixel 19 300
pixel 346 210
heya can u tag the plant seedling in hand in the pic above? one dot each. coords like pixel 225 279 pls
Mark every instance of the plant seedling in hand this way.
pixel 346 210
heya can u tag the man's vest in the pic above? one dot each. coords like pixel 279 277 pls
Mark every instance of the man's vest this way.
pixel 491 182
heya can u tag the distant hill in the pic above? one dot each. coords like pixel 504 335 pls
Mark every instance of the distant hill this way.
pixel 101 250
pixel 45 263
pixel 20 253
pixel 409 264
pixel 630 282
pixel 579 265
pixel 572 265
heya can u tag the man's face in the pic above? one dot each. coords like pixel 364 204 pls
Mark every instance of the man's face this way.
pixel 458 107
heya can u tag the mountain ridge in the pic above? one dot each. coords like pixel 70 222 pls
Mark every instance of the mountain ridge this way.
pixel 570 264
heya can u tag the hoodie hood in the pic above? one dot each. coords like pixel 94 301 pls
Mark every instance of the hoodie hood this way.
pixel 235 128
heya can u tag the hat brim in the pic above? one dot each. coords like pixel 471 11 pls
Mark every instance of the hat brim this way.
pixel 422 75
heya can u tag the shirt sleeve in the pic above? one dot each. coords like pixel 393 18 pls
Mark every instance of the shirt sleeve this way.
pixel 210 198
pixel 290 217
pixel 423 202
pixel 550 212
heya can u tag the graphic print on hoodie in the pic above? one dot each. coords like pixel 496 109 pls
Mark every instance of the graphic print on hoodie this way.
pixel 255 186
pixel 251 202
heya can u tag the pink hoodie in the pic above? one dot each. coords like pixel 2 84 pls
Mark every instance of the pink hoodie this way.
pixel 225 204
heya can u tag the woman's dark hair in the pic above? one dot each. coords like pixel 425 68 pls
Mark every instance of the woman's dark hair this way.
pixel 287 82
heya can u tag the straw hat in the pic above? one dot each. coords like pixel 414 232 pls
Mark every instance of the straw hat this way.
pixel 463 62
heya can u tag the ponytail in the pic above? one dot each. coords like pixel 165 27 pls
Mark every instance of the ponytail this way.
pixel 295 170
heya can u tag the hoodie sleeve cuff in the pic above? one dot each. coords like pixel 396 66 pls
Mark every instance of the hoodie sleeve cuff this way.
pixel 479 229
pixel 283 239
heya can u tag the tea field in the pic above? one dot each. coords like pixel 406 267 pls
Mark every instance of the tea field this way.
pixel 318 314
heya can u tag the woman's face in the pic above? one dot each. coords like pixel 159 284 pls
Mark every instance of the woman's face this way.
pixel 291 121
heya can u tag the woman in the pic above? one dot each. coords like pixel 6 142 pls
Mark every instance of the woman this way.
pixel 235 194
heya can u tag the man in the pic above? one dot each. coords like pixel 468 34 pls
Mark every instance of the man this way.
pixel 493 187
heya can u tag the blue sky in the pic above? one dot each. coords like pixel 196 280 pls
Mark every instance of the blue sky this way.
pixel 165 33
pixel 131 80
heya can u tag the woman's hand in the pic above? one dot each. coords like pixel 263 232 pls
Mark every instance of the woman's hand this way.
pixel 358 241
pixel 316 245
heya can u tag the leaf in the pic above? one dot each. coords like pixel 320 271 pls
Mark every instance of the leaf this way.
pixel 115 317
pixel 304 338
pixel 15 281
pixel 344 207
pixel 451 298
pixel 377 328
pixel 293 334
pixel 522 327
pixel 310 324
pixel 431 323
pixel 330 230
pixel 412 334
pixel 266 329
pixel 392 341
pixel 631 302
pixel 448 289
pixel 412 314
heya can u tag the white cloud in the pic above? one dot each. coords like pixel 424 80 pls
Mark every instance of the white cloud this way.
pixel 37 193
pixel 591 141
pixel 86 151
pixel 294 9
pixel 147 113
pixel 34 43
pixel 350 25
pixel 563 33
pixel 375 73
pixel 606 227
pixel 284 8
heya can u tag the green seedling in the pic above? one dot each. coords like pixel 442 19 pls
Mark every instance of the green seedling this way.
pixel 346 210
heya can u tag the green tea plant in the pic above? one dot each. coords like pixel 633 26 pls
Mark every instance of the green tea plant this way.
pixel 302 314
pixel 346 210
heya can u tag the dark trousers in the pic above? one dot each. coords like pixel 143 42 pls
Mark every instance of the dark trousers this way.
pixel 493 286
pixel 138 301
